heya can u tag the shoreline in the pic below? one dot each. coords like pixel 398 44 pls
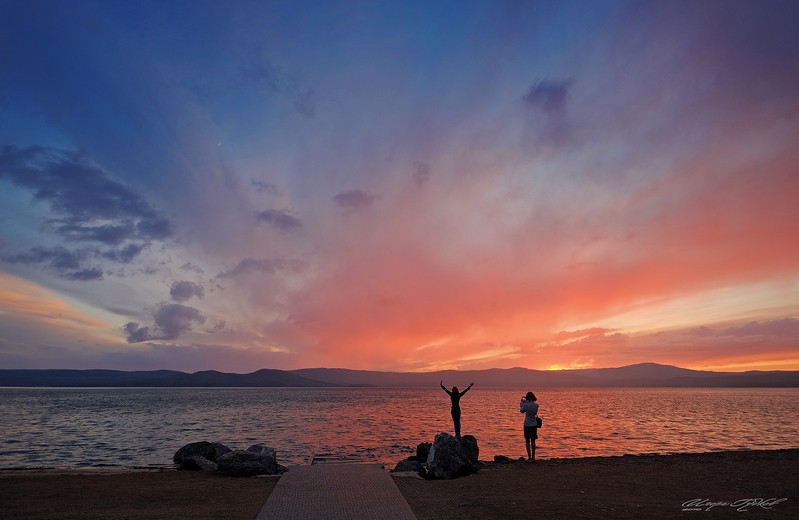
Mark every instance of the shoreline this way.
pixel 625 486
pixel 155 468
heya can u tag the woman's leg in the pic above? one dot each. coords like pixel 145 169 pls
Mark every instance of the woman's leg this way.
pixel 456 419
pixel 527 445
pixel 532 449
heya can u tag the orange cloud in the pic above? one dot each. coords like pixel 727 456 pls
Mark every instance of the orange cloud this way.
pixel 412 272
pixel 31 312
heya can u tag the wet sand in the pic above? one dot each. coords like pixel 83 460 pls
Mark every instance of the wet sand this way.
pixel 649 486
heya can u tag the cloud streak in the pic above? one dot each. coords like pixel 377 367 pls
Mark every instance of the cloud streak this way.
pixel 548 96
pixel 67 264
pixel 279 219
pixel 354 200
pixel 264 266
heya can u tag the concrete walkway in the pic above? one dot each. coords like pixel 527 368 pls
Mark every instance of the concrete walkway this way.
pixel 336 491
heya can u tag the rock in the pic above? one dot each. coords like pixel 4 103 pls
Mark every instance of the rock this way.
pixel 208 450
pixel 450 457
pixel 410 464
pixel 469 444
pixel 423 450
pixel 502 459
pixel 242 463
pixel 198 462
pixel 263 450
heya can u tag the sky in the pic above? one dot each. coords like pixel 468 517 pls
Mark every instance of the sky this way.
pixel 403 186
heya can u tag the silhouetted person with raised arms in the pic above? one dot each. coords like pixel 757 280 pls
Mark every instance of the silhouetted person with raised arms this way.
pixel 456 405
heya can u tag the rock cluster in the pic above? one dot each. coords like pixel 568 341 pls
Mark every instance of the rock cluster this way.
pixel 452 457
pixel 216 457
pixel 446 457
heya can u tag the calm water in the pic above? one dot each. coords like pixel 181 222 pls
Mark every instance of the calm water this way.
pixel 78 427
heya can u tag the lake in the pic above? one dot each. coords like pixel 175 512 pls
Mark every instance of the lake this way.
pixel 145 426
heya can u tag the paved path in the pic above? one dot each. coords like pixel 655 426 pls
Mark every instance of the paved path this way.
pixel 336 491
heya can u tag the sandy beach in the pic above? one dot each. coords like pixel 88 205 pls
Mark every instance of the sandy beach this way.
pixel 647 486
pixel 630 487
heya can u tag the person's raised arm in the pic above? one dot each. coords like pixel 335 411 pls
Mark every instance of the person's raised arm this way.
pixel 444 387
pixel 467 388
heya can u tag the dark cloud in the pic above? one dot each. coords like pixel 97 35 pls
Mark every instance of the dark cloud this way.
pixel 58 258
pixel 86 203
pixel 786 327
pixel 135 333
pixel 171 321
pixel 188 266
pixel 220 327
pixel 354 200
pixel 155 227
pixel 264 75
pixel 124 254
pixel 86 275
pixel 548 124
pixel 279 219
pixel 702 331
pixel 548 96
pixel 421 173
pixel 83 194
pixel 263 265
pixel 182 291
pixel 64 262
pixel 263 187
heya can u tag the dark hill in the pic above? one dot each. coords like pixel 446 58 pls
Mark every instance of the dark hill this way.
pixel 644 374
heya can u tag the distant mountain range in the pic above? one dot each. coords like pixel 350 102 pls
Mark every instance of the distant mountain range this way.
pixel 643 374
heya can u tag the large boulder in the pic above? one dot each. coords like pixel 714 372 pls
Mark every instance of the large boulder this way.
pixel 208 450
pixel 452 457
pixel 241 463
pixel 469 445
pixel 263 450
pixel 423 450
pixel 198 463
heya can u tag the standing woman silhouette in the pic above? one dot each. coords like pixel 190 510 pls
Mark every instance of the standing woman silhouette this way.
pixel 456 406
pixel 529 407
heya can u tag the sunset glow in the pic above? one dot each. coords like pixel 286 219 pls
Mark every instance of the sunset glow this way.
pixel 406 186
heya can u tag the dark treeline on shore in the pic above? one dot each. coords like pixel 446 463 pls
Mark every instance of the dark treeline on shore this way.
pixel 640 375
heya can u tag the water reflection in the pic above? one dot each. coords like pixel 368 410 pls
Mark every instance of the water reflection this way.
pixel 48 427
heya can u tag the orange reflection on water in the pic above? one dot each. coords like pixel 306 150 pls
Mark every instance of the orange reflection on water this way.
pixel 54 427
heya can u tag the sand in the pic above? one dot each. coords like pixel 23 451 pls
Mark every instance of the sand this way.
pixel 649 486
pixel 630 487
pixel 114 495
